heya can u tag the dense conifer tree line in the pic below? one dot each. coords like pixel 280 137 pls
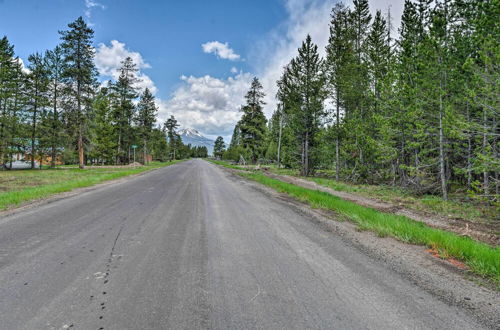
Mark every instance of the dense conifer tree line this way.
pixel 418 108
pixel 54 110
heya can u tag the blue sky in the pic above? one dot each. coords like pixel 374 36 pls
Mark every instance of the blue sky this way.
pixel 167 33
pixel 201 85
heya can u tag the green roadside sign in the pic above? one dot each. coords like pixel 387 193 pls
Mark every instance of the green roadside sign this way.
pixel 134 146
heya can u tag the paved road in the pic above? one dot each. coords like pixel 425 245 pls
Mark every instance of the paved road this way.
pixel 190 247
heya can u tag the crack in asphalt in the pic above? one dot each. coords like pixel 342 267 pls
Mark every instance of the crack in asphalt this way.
pixel 108 271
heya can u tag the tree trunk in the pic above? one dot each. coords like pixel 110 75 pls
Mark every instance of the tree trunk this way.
pixel 33 132
pixel 81 157
pixel 469 152
pixel 279 140
pixel 14 131
pixel 306 155
pixel 129 154
pixel 337 142
pixel 119 149
pixel 54 130
pixel 442 171
pixel 486 182
pixel 495 152
pixel 2 128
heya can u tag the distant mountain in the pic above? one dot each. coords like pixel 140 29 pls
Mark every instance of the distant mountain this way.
pixel 195 138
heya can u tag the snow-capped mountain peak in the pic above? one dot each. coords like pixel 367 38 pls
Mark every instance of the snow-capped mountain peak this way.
pixel 191 132
pixel 195 138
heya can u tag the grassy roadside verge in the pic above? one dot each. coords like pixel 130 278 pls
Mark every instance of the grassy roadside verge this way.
pixel 481 258
pixel 434 204
pixel 225 164
pixel 28 185
pixel 455 208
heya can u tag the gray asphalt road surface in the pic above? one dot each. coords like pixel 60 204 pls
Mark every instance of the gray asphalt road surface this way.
pixel 191 247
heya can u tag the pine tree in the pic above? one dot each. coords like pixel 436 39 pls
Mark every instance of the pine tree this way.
pixel 275 130
pixel 174 140
pixel 146 118
pixel 378 56
pixel 10 87
pixel 483 93
pixel 304 106
pixel 125 93
pixel 235 149
pixel 158 144
pixel 360 19
pixel 253 122
pixel 103 128
pixel 12 131
pixel 54 62
pixel 339 56
pixel 219 147
pixel 80 77
pixel 236 137
pixel 433 81
pixel 356 96
pixel 37 86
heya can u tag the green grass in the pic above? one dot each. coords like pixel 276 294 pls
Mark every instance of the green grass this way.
pixel 225 164
pixel 22 186
pixel 435 204
pixel 481 258
pixel 455 207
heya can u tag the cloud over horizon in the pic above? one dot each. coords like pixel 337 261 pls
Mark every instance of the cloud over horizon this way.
pixel 208 104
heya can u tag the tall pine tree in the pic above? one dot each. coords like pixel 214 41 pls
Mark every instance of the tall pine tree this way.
pixel 145 119
pixel 80 78
pixel 253 122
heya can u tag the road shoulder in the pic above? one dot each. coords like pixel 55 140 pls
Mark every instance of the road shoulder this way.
pixel 453 285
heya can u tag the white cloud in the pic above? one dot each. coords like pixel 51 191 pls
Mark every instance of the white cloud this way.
pixel 90 5
pixel 207 104
pixel 108 61
pixel 221 50
pixel 23 66
pixel 304 17
pixel 211 105
pixel 272 54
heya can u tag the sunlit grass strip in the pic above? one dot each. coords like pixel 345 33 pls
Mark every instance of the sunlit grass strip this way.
pixel 87 178
pixel 481 258
pixel 225 164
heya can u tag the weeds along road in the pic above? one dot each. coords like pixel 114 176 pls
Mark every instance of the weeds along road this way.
pixel 191 247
